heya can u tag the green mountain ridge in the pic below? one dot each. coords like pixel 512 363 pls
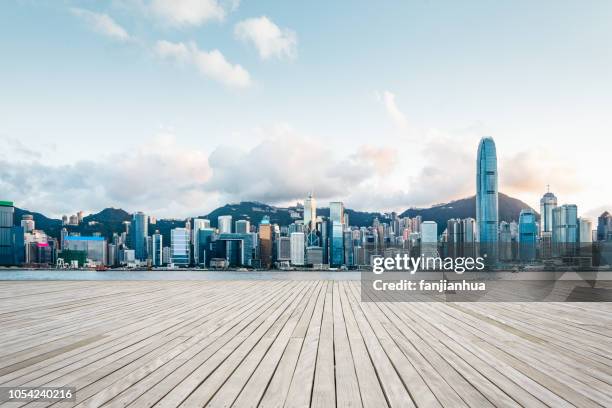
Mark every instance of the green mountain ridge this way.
pixel 110 220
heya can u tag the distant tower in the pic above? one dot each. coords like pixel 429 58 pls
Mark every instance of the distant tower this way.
pixel 487 215
pixel 310 212
pixel 547 203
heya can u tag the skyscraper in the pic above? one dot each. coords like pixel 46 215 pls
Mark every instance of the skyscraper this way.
pixel 310 213
pixel 487 215
pixel 565 229
pixel 604 227
pixel 336 245
pixel 297 248
pixel 224 223
pixel 7 212
pixel 429 238
pixel 265 243
pixel 547 203
pixel 179 246
pixel 198 225
pixel 336 212
pixel 527 235
pixel 157 241
pixel 139 232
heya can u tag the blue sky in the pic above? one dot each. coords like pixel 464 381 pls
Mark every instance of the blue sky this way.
pixel 345 98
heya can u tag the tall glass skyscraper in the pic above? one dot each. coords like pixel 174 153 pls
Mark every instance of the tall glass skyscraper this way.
pixel 528 234
pixel 139 232
pixel 487 215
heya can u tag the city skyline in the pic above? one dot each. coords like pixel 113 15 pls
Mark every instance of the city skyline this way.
pixel 127 104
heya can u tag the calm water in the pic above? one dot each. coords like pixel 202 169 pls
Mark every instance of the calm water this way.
pixel 52 274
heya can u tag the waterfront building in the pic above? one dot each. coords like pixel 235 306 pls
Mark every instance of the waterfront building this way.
pixel 565 230
pixel 7 244
pixel 198 225
pixel 528 234
pixel 265 243
pixel 283 249
pixel 156 252
pixel 139 231
pixel 236 249
pixel 487 215
pixel 297 248
pixel 180 246
pixel 314 256
pixel 205 237
pixel 94 247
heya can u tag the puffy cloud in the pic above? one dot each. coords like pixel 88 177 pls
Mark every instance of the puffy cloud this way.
pixel 269 39
pixel 102 23
pixel 189 12
pixel 531 171
pixel 211 64
pixel 398 117
pixel 160 178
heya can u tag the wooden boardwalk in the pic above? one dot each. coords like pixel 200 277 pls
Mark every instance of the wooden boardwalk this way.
pixel 297 344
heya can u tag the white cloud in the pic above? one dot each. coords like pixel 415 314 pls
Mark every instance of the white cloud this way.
pixel 398 117
pixel 269 39
pixel 189 12
pixel 161 178
pixel 211 64
pixel 102 23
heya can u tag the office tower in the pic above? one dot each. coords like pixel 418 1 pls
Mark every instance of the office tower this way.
pixel 198 225
pixel 205 237
pixel 111 255
pixel 64 219
pixel 565 230
pixel 310 213
pixel 604 227
pixel 157 244
pixel 336 244
pixel 94 247
pixel 454 237
pixel 265 243
pixel 336 212
pixel 297 248
pixel 547 203
pixel 139 230
pixel 179 246
pixel 487 216
pixel 585 231
pixel 224 223
pixel 505 241
pixel 243 227
pixel 63 235
pixel 283 249
pixel 349 248
pixel 528 233
pixel 27 222
pixel 73 220
pixel 429 239
pixel 314 256
pixel 469 237
pixel 324 226
pixel 166 255
pixel 80 216
pixel 7 247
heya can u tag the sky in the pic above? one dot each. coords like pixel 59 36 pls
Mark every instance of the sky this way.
pixel 175 107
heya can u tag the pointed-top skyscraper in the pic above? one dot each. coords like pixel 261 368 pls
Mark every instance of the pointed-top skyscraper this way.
pixel 487 214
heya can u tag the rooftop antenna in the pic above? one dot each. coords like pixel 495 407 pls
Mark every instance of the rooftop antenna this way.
pixel 548 188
